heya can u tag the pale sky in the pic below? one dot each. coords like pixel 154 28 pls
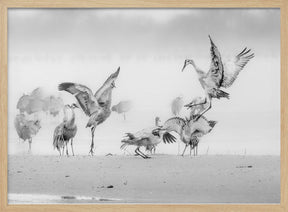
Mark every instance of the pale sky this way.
pixel 50 46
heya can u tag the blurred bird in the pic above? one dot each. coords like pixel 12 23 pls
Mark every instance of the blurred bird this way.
pixel 122 107
pixel 96 106
pixel 219 75
pixel 25 128
pixel 197 108
pixel 183 129
pixel 65 131
pixel 146 138
pixel 53 105
pixel 177 105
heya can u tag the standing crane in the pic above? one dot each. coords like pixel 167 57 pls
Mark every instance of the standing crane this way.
pixel 25 128
pixel 65 131
pixel 96 106
pixel 177 105
pixel 219 75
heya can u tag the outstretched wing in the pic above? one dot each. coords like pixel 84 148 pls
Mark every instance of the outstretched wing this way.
pixel 174 124
pixel 233 68
pixel 103 94
pixel 216 67
pixel 168 138
pixel 83 94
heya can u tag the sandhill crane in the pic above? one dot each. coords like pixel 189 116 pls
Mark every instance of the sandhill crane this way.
pixel 122 107
pixel 219 74
pixel 183 129
pixel 65 131
pixel 152 148
pixel 177 105
pixel 25 128
pixel 96 106
pixel 147 138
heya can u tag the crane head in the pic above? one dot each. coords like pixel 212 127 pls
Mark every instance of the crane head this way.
pixel 187 62
pixel 156 132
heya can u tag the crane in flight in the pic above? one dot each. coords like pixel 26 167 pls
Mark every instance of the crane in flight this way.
pixel 220 75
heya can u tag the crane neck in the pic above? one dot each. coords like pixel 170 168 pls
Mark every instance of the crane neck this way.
pixel 157 122
pixel 69 121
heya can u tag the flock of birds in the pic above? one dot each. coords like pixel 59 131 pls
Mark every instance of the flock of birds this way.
pixel 98 108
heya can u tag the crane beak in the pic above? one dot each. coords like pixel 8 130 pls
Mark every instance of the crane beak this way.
pixel 184 66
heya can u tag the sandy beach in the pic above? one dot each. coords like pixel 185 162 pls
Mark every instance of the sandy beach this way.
pixel 130 179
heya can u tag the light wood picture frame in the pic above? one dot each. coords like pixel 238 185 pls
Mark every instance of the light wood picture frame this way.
pixel 6 4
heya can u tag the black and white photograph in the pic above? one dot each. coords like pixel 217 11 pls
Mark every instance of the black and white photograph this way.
pixel 148 106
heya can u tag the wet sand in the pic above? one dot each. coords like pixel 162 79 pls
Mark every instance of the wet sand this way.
pixel 130 179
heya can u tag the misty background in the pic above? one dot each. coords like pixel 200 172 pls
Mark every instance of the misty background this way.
pixel 50 46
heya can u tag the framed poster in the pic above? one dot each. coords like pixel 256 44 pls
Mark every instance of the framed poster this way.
pixel 143 106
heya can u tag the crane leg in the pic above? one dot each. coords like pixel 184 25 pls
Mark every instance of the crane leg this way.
pixel 192 105
pixel 185 149
pixel 72 147
pixel 30 143
pixel 137 150
pixel 204 111
pixel 66 144
pixel 191 147
pixel 154 150
pixel 63 149
pixel 92 143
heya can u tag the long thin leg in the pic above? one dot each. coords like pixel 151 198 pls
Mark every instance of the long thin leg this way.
pixel 138 153
pixel 146 156
pixel 63 147
pixel 72 146
pixel 141 153
pixel 191 147
pixel 66 144
pixel 92 143
pixel 192 105
pixel 204 111
pixel 185 149
pixel 30 143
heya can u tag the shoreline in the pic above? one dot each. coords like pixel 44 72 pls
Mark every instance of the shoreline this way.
pixel 167 179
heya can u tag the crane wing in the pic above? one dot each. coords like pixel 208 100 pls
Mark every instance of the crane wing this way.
pixel 174 124
pixel 233 68
pixel 216 67
pixel 83 94
pixel 102 93
pixel 168 138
